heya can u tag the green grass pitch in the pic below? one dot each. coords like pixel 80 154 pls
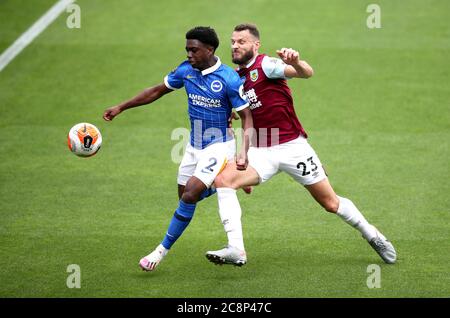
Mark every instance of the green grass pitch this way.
pixel 377 112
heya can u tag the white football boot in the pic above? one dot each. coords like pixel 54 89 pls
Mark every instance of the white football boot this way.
pixel 383 247
pixel 149 262
pixel 228 255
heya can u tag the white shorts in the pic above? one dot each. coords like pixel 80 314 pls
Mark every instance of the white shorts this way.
pixel 297 158
pixel 206 163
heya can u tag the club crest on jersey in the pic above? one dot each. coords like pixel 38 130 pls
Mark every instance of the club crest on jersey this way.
pixel 254 75
pixel 216 86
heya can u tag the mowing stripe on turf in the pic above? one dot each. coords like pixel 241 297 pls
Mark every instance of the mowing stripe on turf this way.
pixel 27 37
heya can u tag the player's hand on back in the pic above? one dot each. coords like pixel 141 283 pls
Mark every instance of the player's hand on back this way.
pixel 289 56
pixel 111 112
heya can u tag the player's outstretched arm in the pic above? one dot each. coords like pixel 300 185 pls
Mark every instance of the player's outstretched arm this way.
pixel 295 66
pixel 148 96
pixel 247 126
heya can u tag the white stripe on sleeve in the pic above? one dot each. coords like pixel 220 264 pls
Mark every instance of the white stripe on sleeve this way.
pixel 241 107
pixel 273 67
pixel 166 82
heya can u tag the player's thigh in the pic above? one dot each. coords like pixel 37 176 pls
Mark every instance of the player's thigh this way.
pixel 300 161
pixel 211 161
pixel 187 166
pixel 261 160
pixel 324 194
pixel 233 178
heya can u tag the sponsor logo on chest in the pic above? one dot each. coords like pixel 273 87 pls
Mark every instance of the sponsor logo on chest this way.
pixel 254 75
pixel 216 86
pixel 253 99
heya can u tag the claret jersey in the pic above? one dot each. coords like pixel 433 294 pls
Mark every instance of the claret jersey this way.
pixel 270 101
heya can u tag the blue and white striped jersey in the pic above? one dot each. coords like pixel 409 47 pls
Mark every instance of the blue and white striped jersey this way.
pixel 212 93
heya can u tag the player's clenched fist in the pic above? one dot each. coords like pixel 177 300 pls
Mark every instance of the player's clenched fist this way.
pixel 111 112
pixel 289 56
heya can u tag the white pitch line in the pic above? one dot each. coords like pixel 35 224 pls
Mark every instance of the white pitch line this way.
pixel 27 37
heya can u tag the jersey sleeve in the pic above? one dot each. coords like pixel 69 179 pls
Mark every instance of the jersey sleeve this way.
pixel 174 80
pixel 273 67
pixel 235 93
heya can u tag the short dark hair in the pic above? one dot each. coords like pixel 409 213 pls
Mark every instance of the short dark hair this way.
pixel 206 35
pixel 248 26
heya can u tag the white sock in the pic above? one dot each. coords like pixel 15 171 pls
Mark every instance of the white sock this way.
pixel 350 214
pixel 230 215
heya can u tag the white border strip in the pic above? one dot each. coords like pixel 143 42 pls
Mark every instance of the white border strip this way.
pixel 27 37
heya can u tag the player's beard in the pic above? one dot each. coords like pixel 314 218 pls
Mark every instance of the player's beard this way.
pixel 247 57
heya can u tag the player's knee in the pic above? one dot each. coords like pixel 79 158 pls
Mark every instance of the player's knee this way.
pixel 331 205
pixel 180 191
pixel 190 196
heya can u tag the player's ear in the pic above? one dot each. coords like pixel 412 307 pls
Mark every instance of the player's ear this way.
pixel 211 49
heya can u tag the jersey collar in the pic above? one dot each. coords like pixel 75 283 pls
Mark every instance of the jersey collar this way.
pixel 213 68
pixel 251 62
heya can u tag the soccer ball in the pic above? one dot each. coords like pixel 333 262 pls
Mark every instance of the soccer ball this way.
pixel 84 139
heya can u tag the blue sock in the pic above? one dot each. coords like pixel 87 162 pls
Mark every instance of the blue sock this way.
pixel 180 220
pixel 207 193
